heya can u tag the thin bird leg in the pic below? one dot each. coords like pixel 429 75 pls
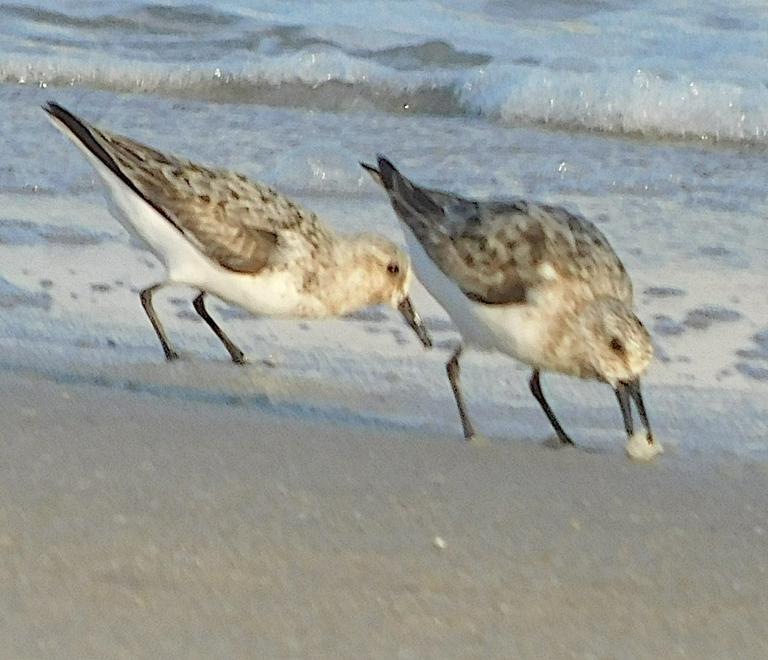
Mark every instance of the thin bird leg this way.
pixel 146 303
pixel 623 392
pixel 454 373
pixel 626 411
pixel 638 398
pixel 238 357
pixel 535 384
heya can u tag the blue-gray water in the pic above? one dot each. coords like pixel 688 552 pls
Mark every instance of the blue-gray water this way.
pixel 652 67
pixel 651 117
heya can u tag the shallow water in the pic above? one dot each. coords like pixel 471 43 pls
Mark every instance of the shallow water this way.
pixel 646 117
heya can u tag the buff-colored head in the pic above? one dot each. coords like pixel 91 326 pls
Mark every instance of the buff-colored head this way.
pixel 384 267
pixel 614 343
pixel 615 347
pixel 379 272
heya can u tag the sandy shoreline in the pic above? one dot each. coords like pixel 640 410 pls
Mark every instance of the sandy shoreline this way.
pixel 136 526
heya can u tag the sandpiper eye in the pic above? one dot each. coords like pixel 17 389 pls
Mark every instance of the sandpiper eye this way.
pixel 393 268
pixel 616 345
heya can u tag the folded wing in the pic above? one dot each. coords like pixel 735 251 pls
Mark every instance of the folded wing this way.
pixel 228 217
pixel 500 252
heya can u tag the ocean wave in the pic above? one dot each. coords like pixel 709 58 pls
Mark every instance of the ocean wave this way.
pixel 141 19
pixel 641 103
pixel 636 102
pixel 320 79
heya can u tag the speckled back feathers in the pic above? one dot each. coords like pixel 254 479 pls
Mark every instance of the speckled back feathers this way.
pixel 501 252
pixel 234 220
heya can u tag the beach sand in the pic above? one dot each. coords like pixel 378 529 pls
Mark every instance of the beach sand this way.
pixel 138 526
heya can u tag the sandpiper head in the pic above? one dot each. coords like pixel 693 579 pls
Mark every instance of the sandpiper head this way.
pixel 618 347
pixel 386 273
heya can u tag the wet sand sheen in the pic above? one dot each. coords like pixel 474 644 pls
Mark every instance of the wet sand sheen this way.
pixel 142 527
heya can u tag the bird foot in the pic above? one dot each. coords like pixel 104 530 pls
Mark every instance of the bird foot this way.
pixel 478 440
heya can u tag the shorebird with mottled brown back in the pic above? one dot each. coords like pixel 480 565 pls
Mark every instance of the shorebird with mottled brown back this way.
pixel 237 239
pixel 530 280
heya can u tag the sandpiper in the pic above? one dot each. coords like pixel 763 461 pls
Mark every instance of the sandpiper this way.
pixel 531 280
pixel 237 239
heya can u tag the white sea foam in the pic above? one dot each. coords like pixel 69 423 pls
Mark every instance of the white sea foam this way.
pixel 640 449
pixel 635 102
pixel 638 101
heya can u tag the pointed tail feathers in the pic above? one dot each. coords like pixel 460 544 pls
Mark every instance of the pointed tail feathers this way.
pixel 375 174
pixel 407 198
pixel 84 135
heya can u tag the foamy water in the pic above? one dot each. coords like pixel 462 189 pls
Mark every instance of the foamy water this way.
pixel 648 117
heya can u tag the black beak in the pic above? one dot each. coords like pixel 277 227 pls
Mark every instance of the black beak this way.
pixel 623 392
pixel 414 320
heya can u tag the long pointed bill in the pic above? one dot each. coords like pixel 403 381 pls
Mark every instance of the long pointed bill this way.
pixel 623 393
pixel 414 320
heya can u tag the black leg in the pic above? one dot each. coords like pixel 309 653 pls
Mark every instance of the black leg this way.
pixel 535 384
pixel 626 411
pixel 454 373
pixel 623 392
pixel 238 357
pixel 638 398
pixel 146 302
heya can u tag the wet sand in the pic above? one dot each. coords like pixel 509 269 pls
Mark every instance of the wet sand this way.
pixel 134 526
